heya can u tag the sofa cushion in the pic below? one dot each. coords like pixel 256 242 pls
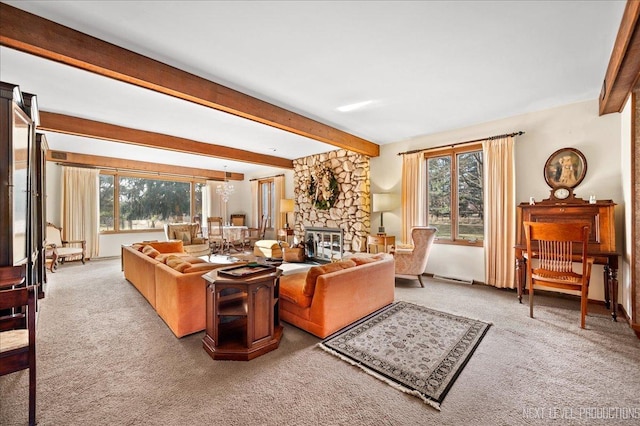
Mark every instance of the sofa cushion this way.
pixel 137 246
pixel 316 271
pixel 168 246
pixel 150 251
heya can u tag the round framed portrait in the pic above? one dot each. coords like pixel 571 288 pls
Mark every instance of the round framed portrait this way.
pixel 566 167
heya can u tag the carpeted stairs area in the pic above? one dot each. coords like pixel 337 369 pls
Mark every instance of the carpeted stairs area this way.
pixel 106 358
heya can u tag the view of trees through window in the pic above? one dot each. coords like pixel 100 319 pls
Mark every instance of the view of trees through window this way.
pixel 455 202
pixel 266 202
pixel 144 203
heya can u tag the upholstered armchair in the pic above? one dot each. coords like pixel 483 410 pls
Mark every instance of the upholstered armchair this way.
pixel 188 233
pixel 59 250
pixel 413 260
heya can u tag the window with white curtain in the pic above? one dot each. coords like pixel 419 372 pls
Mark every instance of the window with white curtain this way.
pixel 266 200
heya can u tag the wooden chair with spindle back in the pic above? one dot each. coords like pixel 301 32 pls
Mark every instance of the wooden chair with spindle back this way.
pixel 554 245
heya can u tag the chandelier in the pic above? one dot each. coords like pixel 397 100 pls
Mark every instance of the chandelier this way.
pixel 225 189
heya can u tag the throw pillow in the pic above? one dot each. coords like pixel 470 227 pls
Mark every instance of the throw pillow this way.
pixel 168 246
pixel 361 260
pixel 185 237
pixel 177 263
pixel 177 229
pixel 150 251
pixel 316 271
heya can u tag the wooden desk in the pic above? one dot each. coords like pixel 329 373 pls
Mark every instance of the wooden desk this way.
pixel 242 315
pixel 601 245
pixel 377 241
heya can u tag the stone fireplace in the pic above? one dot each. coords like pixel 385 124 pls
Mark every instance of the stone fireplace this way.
pixel 348 196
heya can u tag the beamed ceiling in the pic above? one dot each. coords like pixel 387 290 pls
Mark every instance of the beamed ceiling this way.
pixel 251 86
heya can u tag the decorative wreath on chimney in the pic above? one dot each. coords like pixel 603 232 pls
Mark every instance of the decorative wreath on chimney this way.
pixel 323 188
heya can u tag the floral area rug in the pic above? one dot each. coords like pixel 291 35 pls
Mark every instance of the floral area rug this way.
pixel 415 349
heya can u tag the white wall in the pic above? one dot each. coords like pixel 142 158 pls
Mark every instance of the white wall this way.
pixel 576 125
pixel 54 193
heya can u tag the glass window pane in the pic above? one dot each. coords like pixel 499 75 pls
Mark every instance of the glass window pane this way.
pixel 150 203
pixel 439 195
pixel 197 208
pixel 470 197
pixel 106 203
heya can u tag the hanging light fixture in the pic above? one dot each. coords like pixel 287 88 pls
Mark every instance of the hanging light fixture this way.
pixel 225 189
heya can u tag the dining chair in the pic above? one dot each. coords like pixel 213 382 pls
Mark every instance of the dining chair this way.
pixel 216 234
pixel 553 245
pixel 18 335
pixel 238 219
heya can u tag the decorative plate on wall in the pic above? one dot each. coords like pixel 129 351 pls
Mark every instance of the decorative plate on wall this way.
pixel 566 168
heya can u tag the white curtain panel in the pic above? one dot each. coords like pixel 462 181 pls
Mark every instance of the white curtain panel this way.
pixel 278 184
pixel 255 214
pixel 500 212
pixel 413 193
pixel 81 220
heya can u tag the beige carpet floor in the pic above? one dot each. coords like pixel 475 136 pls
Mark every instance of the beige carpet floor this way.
pixel 106 358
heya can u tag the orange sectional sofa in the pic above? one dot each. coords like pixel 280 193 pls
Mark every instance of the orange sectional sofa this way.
pixel 171 281
pixel 329 297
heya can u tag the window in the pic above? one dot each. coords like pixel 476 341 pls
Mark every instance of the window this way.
pixel 266 200
pixel 107 196
pixel 455 201
pixel 132 203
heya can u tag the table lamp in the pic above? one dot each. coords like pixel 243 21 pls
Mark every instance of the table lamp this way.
pixel 286 206
pixel 383 203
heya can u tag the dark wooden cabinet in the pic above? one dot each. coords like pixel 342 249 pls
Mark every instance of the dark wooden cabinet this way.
pixel 602 240
pixel 242 315
pixel 21 184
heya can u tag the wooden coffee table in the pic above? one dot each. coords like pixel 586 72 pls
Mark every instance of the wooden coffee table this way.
pixel 242 312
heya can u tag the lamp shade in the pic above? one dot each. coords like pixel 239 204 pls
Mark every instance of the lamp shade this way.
pixel 384 202
pixel 286 205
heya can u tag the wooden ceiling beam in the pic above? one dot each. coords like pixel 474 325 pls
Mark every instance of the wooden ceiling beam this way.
pixel 623 70
pixel 61 123
pixel 70 158
pixel 32 34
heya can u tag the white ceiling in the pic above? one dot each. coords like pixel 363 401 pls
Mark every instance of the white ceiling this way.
pixel 428 66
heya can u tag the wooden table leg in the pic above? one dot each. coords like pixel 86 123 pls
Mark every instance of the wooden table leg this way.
pixel 607 286
pixel 520 277
pixel 612 286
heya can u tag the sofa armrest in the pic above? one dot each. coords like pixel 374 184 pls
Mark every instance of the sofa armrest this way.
pixel 344 296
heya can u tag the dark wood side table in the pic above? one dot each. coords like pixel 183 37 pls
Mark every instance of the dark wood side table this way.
pixel 242 315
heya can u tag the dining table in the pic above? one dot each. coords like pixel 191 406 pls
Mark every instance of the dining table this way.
pixel 234 236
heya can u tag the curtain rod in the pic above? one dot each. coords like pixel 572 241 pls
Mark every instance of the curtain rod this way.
pixel 266 177
pixel 465 142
